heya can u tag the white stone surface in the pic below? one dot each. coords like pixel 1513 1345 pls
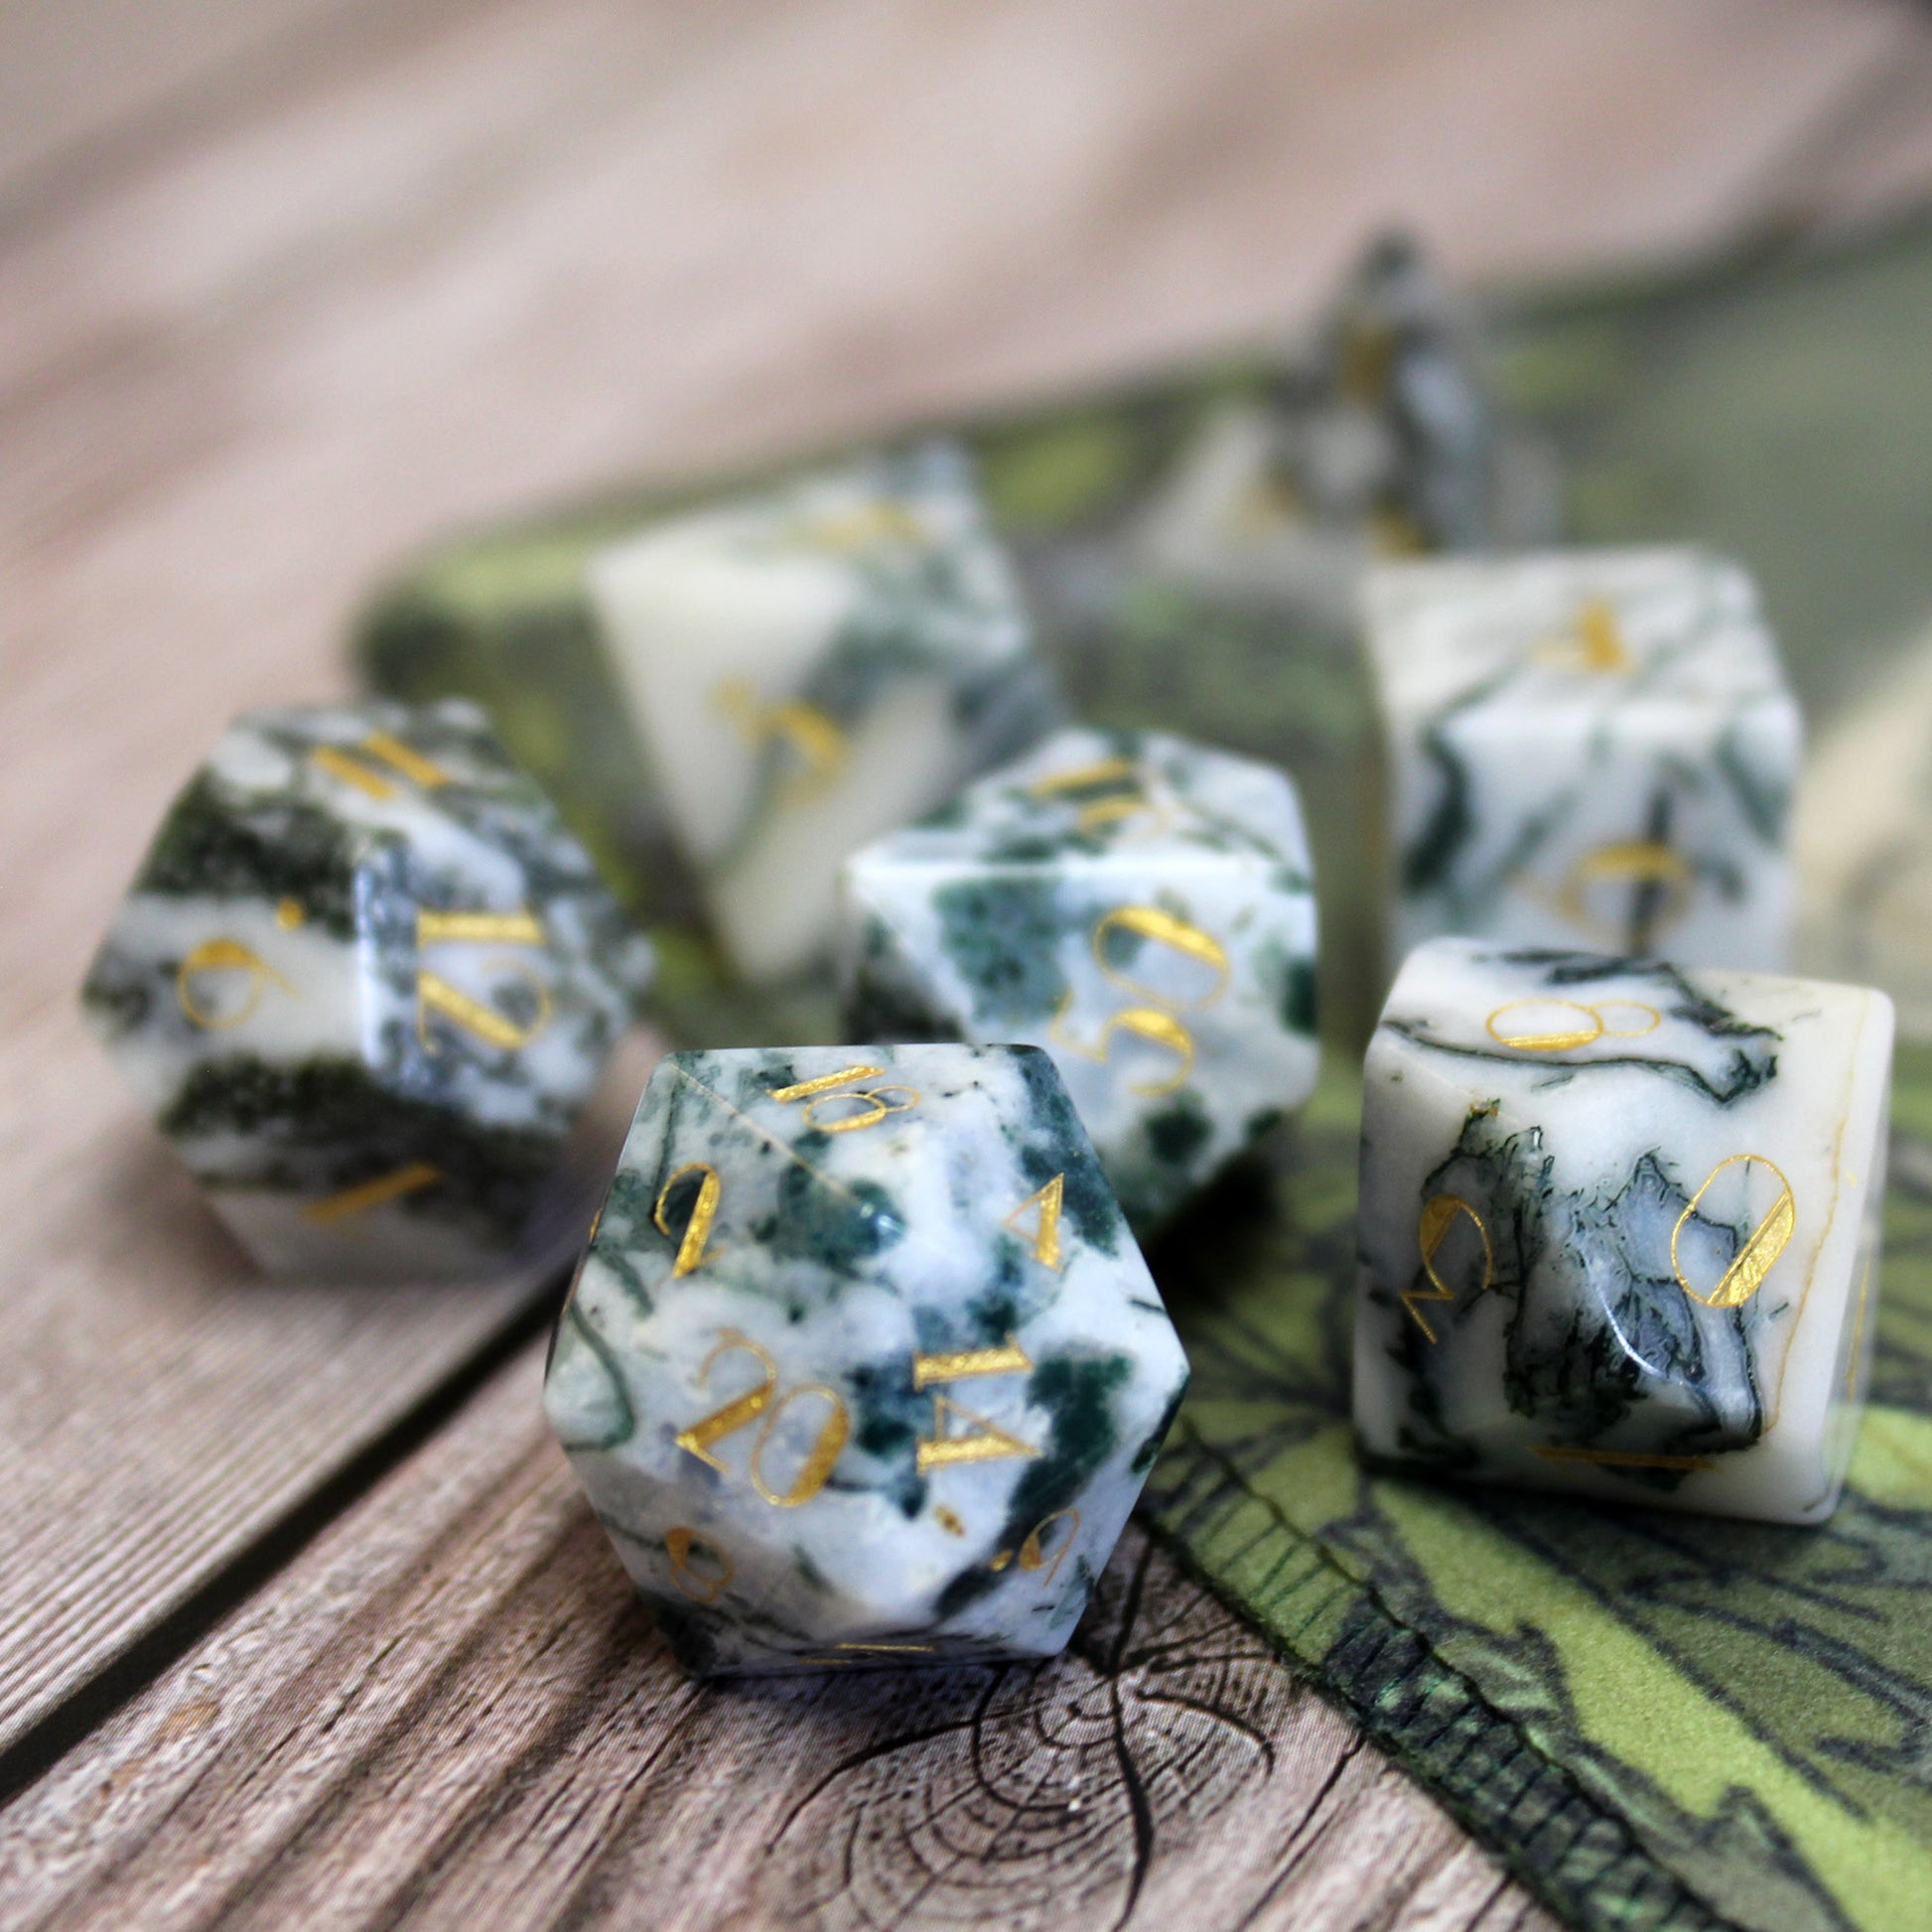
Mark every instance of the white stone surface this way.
pixel 1590 749
pixel 809 666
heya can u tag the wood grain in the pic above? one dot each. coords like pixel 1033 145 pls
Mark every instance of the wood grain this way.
pixel 453 1710
pixel 254 349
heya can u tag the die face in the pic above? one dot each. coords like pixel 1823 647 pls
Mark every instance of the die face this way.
pixel 1588 749
pixel 1619 1227
pixel 863 1363
pixel 364 982
pixel 1139 906
pixel 811 665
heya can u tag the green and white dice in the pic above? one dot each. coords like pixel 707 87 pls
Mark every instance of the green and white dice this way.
pixel 811 665
pixel 1139 906
pixel 365 981
pixel 1587 749
pixel 1620 1228
pixel 862 1365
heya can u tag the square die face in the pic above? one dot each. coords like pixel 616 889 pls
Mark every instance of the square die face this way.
pixel 365 981
pixel 1139 906
pixel 811 665
pixel 1619 1227
pixel 863 1363
pixel 1585 749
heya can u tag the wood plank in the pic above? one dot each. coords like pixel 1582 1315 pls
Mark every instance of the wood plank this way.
pixel 452 1709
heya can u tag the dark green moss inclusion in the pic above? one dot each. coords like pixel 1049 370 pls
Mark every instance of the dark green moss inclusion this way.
pixel 886 1001
pixel 624 1422
pixel 1051 1141
pixel 1144 1456
pixel 1078 1391
pixel 1599 1334
pixel 276 848
pixel 322 1125
pixel 838 1228
pixel 1179 1131
pixel 1751 1065
pixel 1003 937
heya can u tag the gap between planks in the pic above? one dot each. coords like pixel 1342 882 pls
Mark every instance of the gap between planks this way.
pixel 450 1709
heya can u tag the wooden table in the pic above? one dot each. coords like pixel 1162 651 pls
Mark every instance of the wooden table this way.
pixel 301 1619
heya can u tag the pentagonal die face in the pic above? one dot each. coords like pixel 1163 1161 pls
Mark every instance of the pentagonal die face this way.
pixel 863 1365
pixel 365 981
pixel 1619 1227
pixel 1139 906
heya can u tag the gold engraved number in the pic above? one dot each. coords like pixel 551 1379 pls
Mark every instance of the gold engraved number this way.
pixel 1156 1021
pixel 436 995
pixel 392 751
pixel 1118 789
pixel 1044 1240
pixel 1756 1258
pixel 1032 1551
pixel 1640 863
pixel 705 1585
pixel 704 1211
pixel 1438 1215
pixel 224 956
pixel 980 1441
pixel 759 1401
pixel 1595 647
pixel 824 1092
pixel 814 741
pixel 1554 1026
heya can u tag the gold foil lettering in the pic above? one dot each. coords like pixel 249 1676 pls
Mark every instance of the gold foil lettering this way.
pixel 755 1402
pixel 819 1459
pixel 679 1546
pixel 1157 1021
pixel 365 1195
pixel 1009 1360
pixel 822 1093
pixel 1556 1036
pixel 1439 1214
pixel 741 1409
pixel 704 1211
pixel 1761 1249
pixel 814 740
pixel 436 995
pixel 1032 1553
pixel 1044 1239
pixel 981 1442
pixel 225 956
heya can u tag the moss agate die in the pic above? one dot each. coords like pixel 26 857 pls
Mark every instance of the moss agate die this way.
pixel 1585 748
pixel 364 982
pixel 1619 1227
pixel 863 1366
pixel 807 665
pixel 1139 906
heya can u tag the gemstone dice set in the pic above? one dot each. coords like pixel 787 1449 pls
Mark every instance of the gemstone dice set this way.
pixel 863 1365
